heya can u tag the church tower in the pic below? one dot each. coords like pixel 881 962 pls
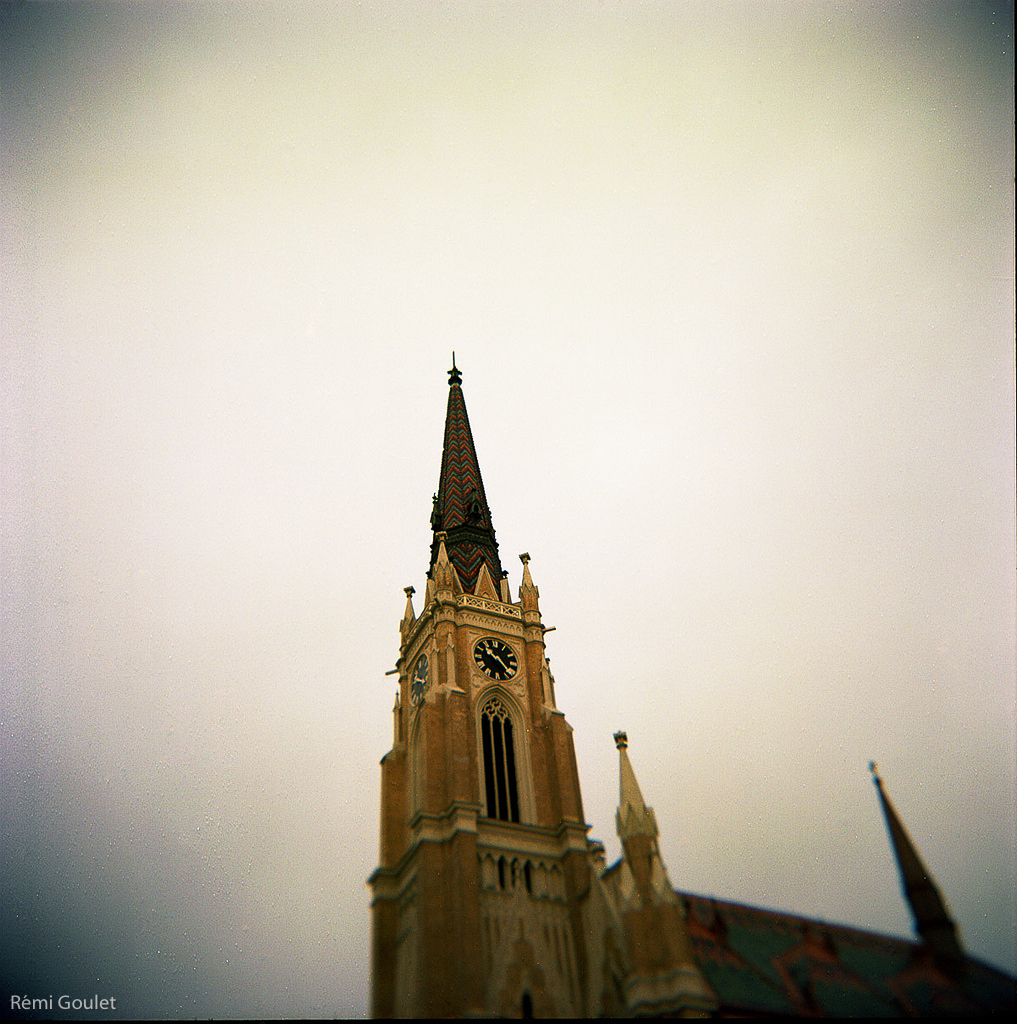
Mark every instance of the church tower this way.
pixel 490 900
pixel 482 898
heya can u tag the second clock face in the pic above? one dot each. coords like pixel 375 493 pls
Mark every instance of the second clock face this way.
pixel 495 658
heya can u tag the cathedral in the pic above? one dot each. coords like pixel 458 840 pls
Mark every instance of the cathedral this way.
pixel 491 900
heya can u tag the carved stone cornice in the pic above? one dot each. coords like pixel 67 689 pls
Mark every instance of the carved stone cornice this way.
pixel 485 604
pixel 537 840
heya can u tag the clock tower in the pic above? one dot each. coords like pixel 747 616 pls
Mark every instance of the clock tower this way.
pixel 490 900
pixel 487 887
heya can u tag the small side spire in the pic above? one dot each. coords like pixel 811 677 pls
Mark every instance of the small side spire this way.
pixel 409 616
pixel 634 818
pixel 663 978
pixel 933 923
pixel 443 572
pixel 529 595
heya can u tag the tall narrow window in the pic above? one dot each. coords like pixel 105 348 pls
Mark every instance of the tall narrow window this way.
pixel 499 762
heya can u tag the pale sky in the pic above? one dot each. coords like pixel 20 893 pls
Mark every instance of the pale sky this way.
pixel 732 290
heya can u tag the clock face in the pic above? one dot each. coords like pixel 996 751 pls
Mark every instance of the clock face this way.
pixel 419 684
pixel 495 658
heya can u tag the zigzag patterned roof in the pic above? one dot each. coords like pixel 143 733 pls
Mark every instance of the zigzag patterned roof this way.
pixel 461 508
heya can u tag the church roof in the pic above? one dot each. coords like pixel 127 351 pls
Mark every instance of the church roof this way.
pixel 762 962
pixel 460 508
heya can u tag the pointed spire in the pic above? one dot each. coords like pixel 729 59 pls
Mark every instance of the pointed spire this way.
pixel 528 593
pixel 634 818
pixel 460 507
pixel 663 979
pixel 443 573
pixel 933 923
pixel 409 616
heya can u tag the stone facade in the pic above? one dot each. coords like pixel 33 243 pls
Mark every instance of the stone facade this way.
pixel 476 913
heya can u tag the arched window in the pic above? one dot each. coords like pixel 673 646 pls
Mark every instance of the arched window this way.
pixel 499 762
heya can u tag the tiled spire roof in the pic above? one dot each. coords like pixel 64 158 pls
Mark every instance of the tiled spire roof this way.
pixel 932 920
pixel 460 506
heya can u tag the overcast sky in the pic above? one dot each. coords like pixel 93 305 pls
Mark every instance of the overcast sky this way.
pixel 732 290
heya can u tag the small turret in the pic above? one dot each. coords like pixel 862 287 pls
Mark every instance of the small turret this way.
pixel 529 595
pixel 443 573
pixel 663 978
pixel 409 616
pixel 634 818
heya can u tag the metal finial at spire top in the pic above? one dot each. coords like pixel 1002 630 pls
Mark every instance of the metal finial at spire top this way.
pixel 454 376
pixel 874 768
pixel 621 740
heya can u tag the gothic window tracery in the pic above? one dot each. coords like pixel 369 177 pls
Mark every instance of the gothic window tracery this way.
pixel 501 788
